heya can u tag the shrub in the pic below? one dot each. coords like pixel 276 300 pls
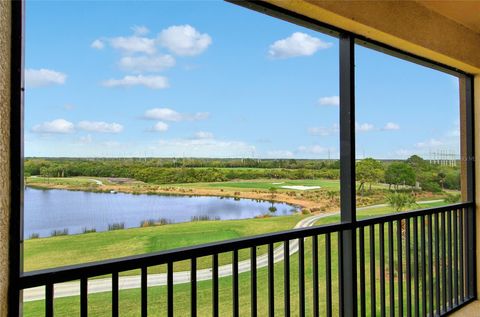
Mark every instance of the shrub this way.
pixel 431 187
pixel 452 198
pixel 306 211
pixel 56 233
pixel 400 201
pixel 116 226
pixel 147 223
pixel 163 221
pixel 204 218
pixel 89 230
pixel 34 235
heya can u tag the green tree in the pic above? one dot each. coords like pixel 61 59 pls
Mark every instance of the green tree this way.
pixel 400 201
pixel 416 162
pixel 272 190
pixel 46 172
pixel 441 179
pixel 368 171
pixel 400 173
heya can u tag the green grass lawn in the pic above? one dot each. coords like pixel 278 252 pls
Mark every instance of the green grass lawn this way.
pixel 99 304
pixel 73 249
pixel 266 184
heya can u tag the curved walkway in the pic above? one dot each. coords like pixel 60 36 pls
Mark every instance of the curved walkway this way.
pixel 96 181
pixel 130 282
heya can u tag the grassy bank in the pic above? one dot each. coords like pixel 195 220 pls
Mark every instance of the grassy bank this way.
pixel 72 249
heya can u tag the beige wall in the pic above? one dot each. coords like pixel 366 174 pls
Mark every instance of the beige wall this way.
pixel 5 18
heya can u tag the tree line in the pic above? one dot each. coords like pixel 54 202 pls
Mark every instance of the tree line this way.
pixel 411 172
pixel 151 172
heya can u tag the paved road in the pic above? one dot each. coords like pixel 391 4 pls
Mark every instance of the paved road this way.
pixel 131 282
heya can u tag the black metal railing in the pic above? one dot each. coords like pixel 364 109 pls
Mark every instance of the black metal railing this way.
pixel 418 263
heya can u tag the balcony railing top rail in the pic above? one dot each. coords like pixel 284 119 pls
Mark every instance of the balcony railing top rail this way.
pixel 413 261
pixel 92 269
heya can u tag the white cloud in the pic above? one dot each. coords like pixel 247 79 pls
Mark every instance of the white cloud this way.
pixel 133 44
pixel 364 127
pixel 87 139
pixel 153 82
pixel 391 126
pixel 140 30
pixel 168 114
pixel 203 135
pixel 429 143
pixel 57 126
pixel 313 149
pixel 329 101
pixel 100 126
pixel 160 127
pixel 202 148
pixel 324 131
pixel 97 44
pixel 140 64
pixel 43 77
pixel 280 154
pixel 163 114
pixel 184 40
pixel 297 44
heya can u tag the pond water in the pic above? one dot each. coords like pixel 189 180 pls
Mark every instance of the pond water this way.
pixel 49 210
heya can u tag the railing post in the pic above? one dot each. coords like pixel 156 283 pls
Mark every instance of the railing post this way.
pixel 348 304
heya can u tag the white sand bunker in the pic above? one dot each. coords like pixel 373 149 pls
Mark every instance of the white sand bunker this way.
pixel 301 187
pixel 278 183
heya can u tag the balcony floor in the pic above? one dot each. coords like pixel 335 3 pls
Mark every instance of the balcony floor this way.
pixel 471 310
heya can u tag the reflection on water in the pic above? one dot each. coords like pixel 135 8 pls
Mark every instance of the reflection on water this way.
pixel 55 210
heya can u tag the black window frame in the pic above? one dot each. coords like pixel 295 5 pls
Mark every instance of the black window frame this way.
pixel 347 142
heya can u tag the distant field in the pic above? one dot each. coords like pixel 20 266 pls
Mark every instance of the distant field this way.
pixel 377 211
pixel 62 180
pixel 261 184
pixel 267 184
pixel 74 181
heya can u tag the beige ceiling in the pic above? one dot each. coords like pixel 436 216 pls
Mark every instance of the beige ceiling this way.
pixel 466 13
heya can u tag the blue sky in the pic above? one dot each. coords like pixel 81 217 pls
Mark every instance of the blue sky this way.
pixel 211 79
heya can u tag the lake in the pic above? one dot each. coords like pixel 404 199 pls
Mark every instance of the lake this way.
pixel 49 210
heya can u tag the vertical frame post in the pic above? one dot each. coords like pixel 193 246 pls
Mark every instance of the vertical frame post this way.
pixel 16 158
pixel 469 160
pixel 347 173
